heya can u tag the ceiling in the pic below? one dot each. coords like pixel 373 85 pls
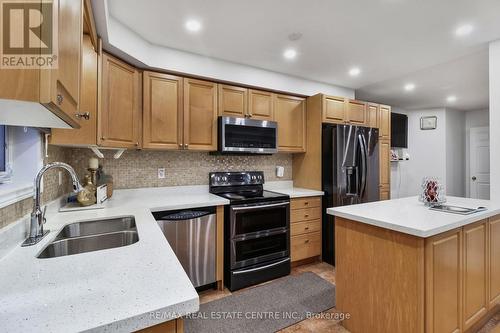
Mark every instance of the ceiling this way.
pixel 391 41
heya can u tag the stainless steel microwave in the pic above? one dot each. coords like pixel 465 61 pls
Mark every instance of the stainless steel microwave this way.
pixel 243 135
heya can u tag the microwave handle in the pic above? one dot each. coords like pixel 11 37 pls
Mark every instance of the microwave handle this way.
pixel 262 267
pixel 281 204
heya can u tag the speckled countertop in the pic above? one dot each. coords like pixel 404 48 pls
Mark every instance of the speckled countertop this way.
pixel 120 290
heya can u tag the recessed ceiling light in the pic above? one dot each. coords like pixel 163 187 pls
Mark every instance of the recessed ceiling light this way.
pixel 464 30
pixel 409 86
pixel 290 54
pixel 193 25
pixel 451 99
pixel 355 71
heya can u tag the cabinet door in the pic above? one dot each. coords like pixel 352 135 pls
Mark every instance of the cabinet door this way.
pixel 494 260
pixel 356 113
pixel 120 113
pixel 372 114
pixel 385 121
pixel 474 273
pixel 260 105
pixel 200 115
pixel 61 87
pixel 162 111
pixel 87 114
pixel 334 110
pixel 290 114
pixel 385 162
pixel 385 193
pixel 232 101
pixel 443 278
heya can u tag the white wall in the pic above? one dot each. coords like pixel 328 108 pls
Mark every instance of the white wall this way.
pixel 455 152
pixel 494 113
pixel 477 118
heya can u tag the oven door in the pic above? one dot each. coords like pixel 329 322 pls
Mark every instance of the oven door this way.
pixel 253 220
pixel 259 249
pixel 242 135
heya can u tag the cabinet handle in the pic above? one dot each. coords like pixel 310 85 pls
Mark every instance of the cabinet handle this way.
pixel 136 144
pixel 306 215
pixel 186 146
pixel 85 115
pixel 306 203
pixel 306 241
pixel 59 99
pixel 180 145
pixel 306 228
pixel 103 138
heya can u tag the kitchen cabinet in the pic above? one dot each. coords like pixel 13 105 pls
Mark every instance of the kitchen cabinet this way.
pixel 475 274
pixel 356 113
pixel 200 115
pixel 87 113
pixel 385 168
pixel 385 122
pixel 333 109
pixel 290 114
pixel 56 89
pixel 443 274
pixel 172 326
pixel 162 111
pixel 233 101
pixel 385 192
pixel 372 111
pixel 305 228
pixel 120 112
pixel 494 261
pixel 260 104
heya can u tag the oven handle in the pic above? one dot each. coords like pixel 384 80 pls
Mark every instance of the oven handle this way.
pixel 260 206
pixel 261 268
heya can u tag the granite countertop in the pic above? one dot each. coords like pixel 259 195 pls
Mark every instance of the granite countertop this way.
pixel 410 216
pixel 109 290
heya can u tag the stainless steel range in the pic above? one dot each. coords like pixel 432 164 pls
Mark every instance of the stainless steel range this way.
pixel 256 229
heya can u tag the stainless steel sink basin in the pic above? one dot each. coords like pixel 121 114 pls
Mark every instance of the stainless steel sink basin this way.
pixel 96 227
pixel 68 246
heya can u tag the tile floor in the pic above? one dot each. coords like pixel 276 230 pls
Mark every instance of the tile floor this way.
pixel 325 324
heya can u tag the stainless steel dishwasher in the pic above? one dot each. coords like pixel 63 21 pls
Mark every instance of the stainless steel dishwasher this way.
pixel 191 234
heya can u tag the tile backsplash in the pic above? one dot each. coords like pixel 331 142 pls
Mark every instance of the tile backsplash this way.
pixel 135 169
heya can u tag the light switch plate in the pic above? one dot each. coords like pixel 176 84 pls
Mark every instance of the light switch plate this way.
pixel 280 171
pixel 161 173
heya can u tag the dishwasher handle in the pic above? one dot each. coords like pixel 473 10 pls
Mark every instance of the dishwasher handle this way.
pixel 185 215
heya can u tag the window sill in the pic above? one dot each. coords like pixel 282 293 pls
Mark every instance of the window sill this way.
pixel 11 193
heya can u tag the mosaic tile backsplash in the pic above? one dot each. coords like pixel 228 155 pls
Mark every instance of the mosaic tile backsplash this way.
pixel 137 169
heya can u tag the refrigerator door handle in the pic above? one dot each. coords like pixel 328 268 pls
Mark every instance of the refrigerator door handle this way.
pixel 364 157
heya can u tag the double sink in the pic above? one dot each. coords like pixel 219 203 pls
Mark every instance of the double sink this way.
pixel 92 235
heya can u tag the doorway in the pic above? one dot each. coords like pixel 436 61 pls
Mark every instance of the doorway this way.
pixel 479 163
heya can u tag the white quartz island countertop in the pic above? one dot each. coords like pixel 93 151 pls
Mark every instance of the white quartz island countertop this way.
pixel 410 216
pixel 115 290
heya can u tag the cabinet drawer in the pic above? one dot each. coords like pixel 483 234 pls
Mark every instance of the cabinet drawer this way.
pixel 305 227
pixel 305 246
pixel 305 203
pixel 305 214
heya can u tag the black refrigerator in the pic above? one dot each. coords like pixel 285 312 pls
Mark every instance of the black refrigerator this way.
pixel 350 173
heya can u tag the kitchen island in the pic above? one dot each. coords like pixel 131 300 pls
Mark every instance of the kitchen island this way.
pixel 401 267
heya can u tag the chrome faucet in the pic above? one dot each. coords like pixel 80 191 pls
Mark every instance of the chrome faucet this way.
pixel 37 216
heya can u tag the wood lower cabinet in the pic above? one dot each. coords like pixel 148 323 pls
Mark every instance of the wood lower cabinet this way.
pixel 356 113
pixel 233 101
pixel 200 115
pixel 333 109
pixel 494 261
pixel 290 114
pixel 385 192
pixel 260 104
pixel 385 168
pixel 120 111
pixel 87 113
pixel 475 274
pixel 305 228
pixel 162 111
pixel 385 122
pixel 172 326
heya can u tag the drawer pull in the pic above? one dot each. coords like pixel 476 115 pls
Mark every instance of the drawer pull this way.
pixel 306 203
pixel 306 228
pixel 306 241
pixel 306 215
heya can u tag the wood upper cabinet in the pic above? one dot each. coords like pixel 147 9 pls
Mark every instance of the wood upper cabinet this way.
pixel 87 113
pixel 443 276
pixel 200 115
pixel 290 114
pixel 356 113
pixel 260 105
pixel 120 118
pixel 475 273
pixel 334 110
pixel 385 122
pixel 233 101
pixel 372 112
pixel 162 111
pixel 494 260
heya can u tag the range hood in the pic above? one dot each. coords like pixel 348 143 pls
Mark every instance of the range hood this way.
pixel 33 114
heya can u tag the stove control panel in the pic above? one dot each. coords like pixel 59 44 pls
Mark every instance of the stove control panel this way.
pixel 236 178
